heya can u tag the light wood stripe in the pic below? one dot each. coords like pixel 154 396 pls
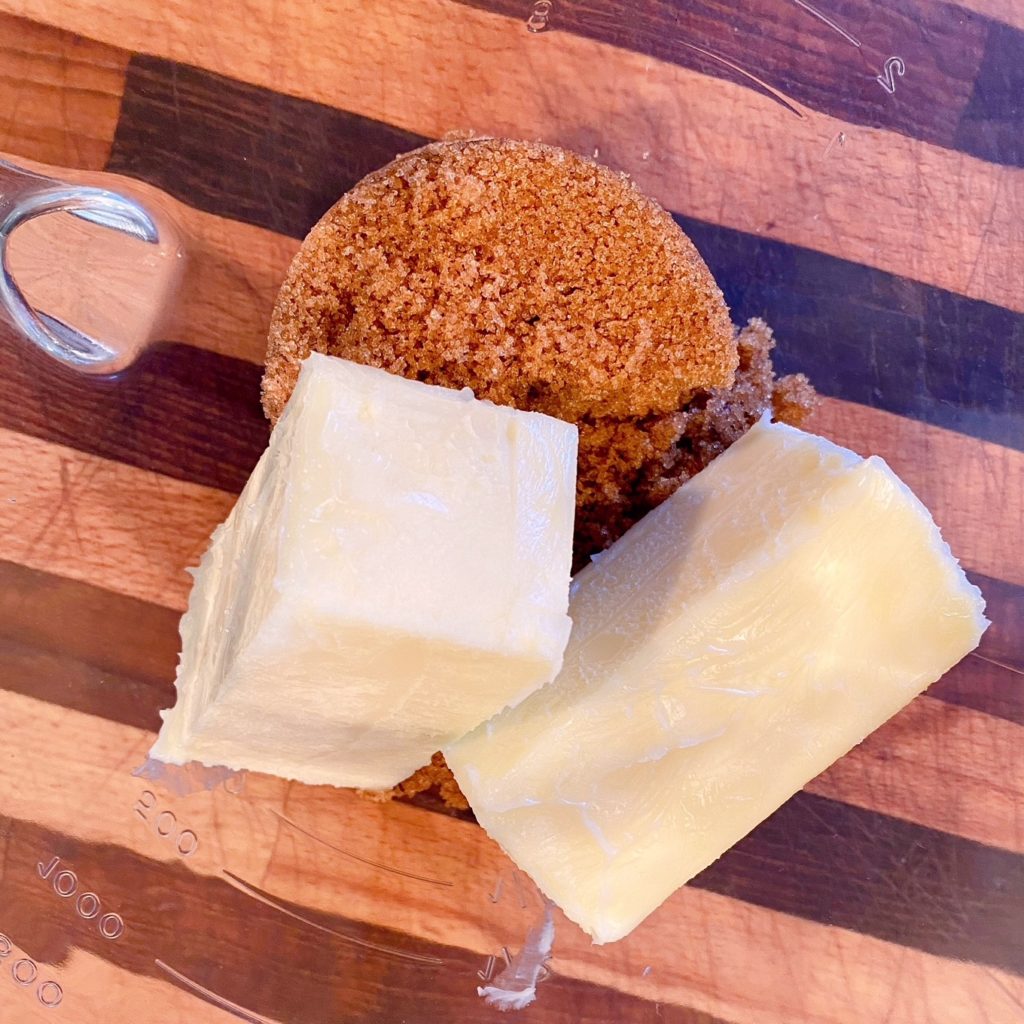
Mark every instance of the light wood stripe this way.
pixel 973 488
pixel 767 968
pixel 693 945
pixel 1010 12
pixel 941 766
pixel 436 66
pixel 103 522
pixel 230 285
pixel 59 96
pixel 95 990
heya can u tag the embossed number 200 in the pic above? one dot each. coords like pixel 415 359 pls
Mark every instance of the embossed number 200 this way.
pixel 165 824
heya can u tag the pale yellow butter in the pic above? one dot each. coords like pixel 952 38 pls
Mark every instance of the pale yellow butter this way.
pixel 395 572
pixel 743 636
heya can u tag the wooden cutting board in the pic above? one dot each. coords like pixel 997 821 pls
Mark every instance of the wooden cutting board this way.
pixel 852 173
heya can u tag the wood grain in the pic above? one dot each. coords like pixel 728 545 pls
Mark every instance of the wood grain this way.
pixel 689 944
pixel 92 985
pixel 892 344
pixel 431 67
pixel 230 286
pixel 1007 11
pixel 869 873
pixel 890 890
pixel 932 765
pixel 994 118
pixel 84 622
pixel 60 94
pixel 103 522
pixel 186 413
pixel 140 549
pixel 58 615
pixel 193 134
pixel 70 682
pixel 980 683
pixel 900 346
pixel 335 980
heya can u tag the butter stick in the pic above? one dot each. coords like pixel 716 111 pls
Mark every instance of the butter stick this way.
pixel 748 632
pixel 395 572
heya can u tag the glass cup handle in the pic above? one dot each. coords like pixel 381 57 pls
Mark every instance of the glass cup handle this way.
pixel 24 195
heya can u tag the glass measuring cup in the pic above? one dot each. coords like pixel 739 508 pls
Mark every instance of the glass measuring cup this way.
pixel 121 259
pixel 134 896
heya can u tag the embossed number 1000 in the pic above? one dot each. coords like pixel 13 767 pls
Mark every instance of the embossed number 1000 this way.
pixel 65 885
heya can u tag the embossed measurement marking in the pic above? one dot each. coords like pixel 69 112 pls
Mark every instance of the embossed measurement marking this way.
pixel 352 856
pixel 488 972
pixel 165 824
pixel 851 39
pixel 893 67
pixel 87 904
pixel 25 973
pixel 212 997
pixel 258 894
pixel 517 880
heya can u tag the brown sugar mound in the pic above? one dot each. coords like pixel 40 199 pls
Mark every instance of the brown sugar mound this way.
pixel 537 278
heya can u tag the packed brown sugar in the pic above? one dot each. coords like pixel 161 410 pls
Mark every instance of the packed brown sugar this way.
pixel 544 281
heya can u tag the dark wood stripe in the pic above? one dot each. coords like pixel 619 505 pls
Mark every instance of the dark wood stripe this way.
pixel 1004 640
pixel 123 636
pixel 242 151
pixel 857 869
pixel 984 686
pixel 876 339
pixel 992 126
pixel 256 956
pixel 955 59
pixel 184 412
pixel 73 683
pixel 860 333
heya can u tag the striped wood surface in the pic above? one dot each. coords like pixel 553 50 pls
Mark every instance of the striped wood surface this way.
pixel 883 237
